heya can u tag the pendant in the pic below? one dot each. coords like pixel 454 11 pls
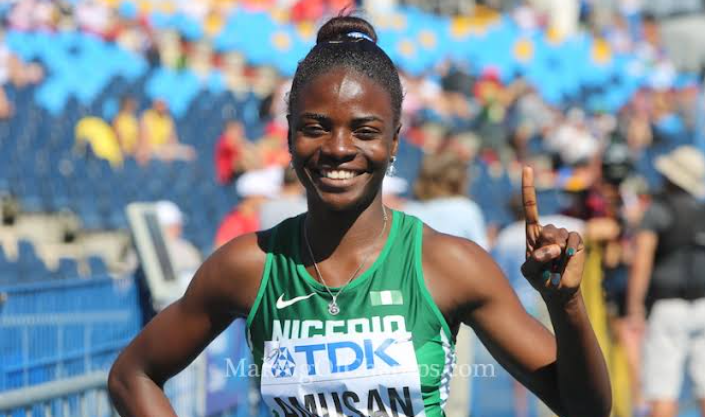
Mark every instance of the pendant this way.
pixel 333 308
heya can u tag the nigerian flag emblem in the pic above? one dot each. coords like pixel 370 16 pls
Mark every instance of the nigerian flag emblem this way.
pixel 386 298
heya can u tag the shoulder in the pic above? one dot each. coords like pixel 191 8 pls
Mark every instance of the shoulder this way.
pixel 231 276
pixel 657 216
pixel 458 272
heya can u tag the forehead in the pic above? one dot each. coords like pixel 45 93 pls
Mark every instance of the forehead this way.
pixel 344 91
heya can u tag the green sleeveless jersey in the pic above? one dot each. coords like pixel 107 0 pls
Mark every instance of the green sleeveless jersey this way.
pixel 389 351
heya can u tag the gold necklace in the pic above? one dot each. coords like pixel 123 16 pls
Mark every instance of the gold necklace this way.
pixel 333 305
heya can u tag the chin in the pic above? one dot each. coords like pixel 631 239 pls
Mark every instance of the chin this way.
pixel 344 202
pixel 341 203
pixel 356 197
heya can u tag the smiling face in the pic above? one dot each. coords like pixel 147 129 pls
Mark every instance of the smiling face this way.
pixel 342 135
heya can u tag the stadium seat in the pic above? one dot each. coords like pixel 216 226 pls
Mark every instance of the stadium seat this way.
pixel 97 266
pixel 25 250
pixel 68 268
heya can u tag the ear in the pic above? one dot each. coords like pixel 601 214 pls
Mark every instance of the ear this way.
pixel 289 133
pixel 395 141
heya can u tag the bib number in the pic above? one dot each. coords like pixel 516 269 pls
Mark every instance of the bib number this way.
pixel 368 374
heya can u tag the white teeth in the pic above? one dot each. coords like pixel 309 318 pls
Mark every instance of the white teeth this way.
pixel 338 174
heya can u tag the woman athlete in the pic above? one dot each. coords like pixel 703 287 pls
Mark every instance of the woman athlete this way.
pixel 351 307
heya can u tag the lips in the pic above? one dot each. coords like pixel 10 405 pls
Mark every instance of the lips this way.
pixel 338 174
pixel 336 179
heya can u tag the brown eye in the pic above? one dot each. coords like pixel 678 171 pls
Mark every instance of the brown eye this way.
pixel 314 130
pixel 366 133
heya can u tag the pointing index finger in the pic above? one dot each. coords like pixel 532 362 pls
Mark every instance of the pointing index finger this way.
pixel 528 194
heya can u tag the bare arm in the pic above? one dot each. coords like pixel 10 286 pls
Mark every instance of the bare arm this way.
pixel 640 273
pixel 223 289
pixel 566 371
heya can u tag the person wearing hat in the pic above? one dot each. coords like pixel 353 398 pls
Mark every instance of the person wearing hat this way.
pixel 667 281
pixel 185 256
pixel 254 187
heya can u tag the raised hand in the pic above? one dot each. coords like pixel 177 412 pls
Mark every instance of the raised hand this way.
pixel 554 257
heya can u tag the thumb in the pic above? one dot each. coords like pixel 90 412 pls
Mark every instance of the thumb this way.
pixel 540 260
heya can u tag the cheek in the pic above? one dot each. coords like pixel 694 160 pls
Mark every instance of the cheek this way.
pixel 302 152
pixel 380 152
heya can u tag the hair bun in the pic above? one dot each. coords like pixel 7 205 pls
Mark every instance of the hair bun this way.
pixel 346 28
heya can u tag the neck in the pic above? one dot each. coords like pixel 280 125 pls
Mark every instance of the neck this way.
pixel 354 232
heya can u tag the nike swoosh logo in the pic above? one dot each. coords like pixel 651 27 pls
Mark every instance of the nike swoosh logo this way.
pixel 281 303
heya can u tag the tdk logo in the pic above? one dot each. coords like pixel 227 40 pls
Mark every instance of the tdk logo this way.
pixel 346 356
pixel 283 364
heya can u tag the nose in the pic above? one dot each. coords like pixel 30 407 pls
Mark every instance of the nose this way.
pixel 340 145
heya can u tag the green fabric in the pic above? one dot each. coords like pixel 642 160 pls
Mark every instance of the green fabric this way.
pixel 392 286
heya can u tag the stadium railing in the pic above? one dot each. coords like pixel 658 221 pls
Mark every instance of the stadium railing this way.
pixel 58 339
pixel 80 396
pixel 86 395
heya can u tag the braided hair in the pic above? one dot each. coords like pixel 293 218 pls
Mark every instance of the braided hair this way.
pixel 350 42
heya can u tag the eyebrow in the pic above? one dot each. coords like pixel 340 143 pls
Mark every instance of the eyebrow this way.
pixel 314 116
pixel 358 120
pixel 367 119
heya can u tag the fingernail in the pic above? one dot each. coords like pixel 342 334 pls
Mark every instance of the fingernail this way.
pixel 546 275
pixel 570 251
pixel 555 279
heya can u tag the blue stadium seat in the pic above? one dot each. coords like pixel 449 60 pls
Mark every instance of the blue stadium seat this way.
pixel 68 268
pixel 34 270
pixel 25 250
pixel 9 270
pixel 97 265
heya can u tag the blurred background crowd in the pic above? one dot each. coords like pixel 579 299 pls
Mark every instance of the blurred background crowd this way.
pixel 182 103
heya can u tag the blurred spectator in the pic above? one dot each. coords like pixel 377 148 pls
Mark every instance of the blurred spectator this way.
pixel 273 146
pixel 289 203
pixel 509 251
pixel 255 187
pixel 609 230
pixel 158 135
pixel 463 145
pixel 442 203
pixel 126 126
pixel 96 133
pixel 184 256
pixel 667 281
pixel 92 16
pixel 572 141
pixel 16 72
pixel 5 105
pixel 493 98
pixel 392 190
pixel 32 14
pixel 457 80
pixel 233 153
pixel 312 10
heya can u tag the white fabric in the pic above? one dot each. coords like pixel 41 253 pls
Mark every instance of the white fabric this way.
pixel 262 182
pixel 394 185
pixel 685 167
pixel 675 338
pixel 455 216
pixel 343 372
pixel 168 213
